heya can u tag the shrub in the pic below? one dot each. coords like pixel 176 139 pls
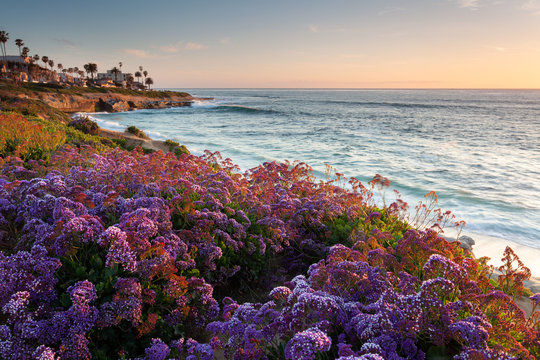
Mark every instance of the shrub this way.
pixel 171 144
pixel 27 140
pixel 85 125
pixel 125 255
pixel 136 131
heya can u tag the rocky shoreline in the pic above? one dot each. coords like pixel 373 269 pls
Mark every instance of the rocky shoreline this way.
pixel 73 100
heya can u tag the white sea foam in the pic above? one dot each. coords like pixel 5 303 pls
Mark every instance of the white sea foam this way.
pixel 106 124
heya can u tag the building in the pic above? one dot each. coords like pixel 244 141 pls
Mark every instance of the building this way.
pixel 119 77
pixel 16 59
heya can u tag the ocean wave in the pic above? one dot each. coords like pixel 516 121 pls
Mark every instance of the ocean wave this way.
pixel 245 109
pixel 106 124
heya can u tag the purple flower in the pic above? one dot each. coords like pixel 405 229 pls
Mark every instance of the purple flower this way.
pixel 157 351
pixel 535 299
pixel 306 344
pixel 44 353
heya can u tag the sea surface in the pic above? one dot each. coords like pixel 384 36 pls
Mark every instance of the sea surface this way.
pixel 478 149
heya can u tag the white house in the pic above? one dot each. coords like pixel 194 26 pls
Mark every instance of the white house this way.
pixel 119 77
pixel 16 59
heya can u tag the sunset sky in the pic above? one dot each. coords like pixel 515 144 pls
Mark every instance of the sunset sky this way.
pixel 291 43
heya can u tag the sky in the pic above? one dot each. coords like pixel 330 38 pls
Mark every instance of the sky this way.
pixel 291 43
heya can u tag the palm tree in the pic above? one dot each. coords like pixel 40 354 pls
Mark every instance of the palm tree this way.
pixel 145 73
pixel 35 57
pixel 45 59
pixel 4 37
pixel 120 65
pixel 60 67
pixel 25 52
pixel 149 82
pixel 19 43
pixel 115 72
pixel 91 69
pixel 51 64
pixel 129 80
pixel 138 75
pixel 140 68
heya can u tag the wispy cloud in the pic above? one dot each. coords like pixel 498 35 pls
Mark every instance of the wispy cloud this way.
pixel 314 28
pixel 225 41
pixel 141 54
pixel 352 56
pixel 532 6
pixel 194 46
pixel 318 29
pixel 390 9
pixel 496 48
pixel 179 46
pixel 66 43
pixel 469 4
pixel 476 4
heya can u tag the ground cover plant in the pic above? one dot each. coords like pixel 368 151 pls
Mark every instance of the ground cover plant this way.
pixel 118 254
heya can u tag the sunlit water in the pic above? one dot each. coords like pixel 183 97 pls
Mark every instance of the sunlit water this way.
pixel 479 150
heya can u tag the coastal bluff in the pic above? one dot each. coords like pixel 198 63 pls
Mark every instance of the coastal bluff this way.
pixel 79 99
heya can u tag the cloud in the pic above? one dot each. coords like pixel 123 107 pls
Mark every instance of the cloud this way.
pixel 194 46
pixel 352 56
pixel 532 6
pixel 476 4
pixel 141 54
pixel 390 9
pixel 496 48
pixel 318 29
pixel 179 46
pixel 469 4
pixel 66 43
pixel 225 41
pixel 169 48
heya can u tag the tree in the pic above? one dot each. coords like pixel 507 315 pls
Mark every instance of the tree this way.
pixel 120 65
pixel 45 59
pixel 115 72
pixel 25 52
pixel 19 43
pixel 4 37
pixel 140 68
pixel 60 67
pixel 51 64
pixel 149 81
pixel 129 80
pixel 145 73
pixel 35 58
pixel 91 69
pixel 138 75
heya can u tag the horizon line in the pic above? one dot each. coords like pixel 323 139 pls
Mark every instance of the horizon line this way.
pixel 338 88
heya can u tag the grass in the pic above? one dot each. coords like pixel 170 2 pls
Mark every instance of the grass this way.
pixel 33 88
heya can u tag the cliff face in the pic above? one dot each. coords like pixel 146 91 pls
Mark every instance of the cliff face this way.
pixel 110 102
pixel 75 99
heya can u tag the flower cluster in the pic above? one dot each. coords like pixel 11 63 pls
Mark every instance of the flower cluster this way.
pixel 126 254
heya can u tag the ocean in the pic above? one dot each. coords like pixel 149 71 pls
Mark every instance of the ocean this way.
pixel 478 149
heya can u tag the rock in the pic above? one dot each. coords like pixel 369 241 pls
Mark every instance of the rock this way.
pixel 466 239
pixel 104 106
pixel 466 242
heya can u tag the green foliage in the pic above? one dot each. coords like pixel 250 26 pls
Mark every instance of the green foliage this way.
pixel 171 143
pixel 182 149
pixel 136 131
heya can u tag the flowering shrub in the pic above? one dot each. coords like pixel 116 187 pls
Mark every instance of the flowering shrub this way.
pixel 25 139
pixel 125 254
